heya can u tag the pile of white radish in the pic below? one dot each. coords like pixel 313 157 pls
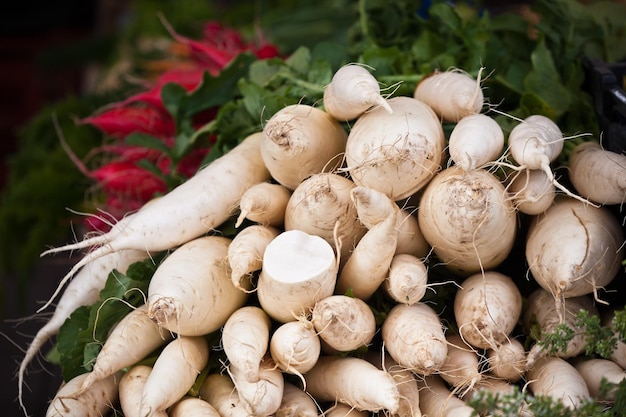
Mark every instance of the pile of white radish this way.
pixel 326 300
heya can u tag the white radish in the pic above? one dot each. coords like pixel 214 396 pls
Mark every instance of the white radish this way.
pixel 411 241
pixel 245 252
pixel 295 346
pixel 596 370
pixel 414 337
pixel 468 220
pixel 475 141
pixel 452 94
pixel 83 290
pixel 130 341
pixel 597 173
pixel 507 360
pixel 219 391
pixel 407 280
pixel 262 397
pixel 487 308
pixel 532 191
pixel 461 368
pixel 265 204
pixel 353 381
pixel 352 91
pixel 558 379
pixel 173 373
pixel 98 400
pixel 192 407
pixel 343 410
pixel 191 292
pixel 344 323
pixel 368 265
pixel 618 355
pixel 574 249
pixel 296 403
pixel 130 389
pixel 199 205
pixel 321 205
pixel 398 153
pixel 245 340
pixel 491 385
pixel 300 140
pixel 298 270
pixel 542 312
pixel 436 400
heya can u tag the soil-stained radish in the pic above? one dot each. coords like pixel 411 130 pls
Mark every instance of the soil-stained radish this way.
pixel 475 140
pixel 245 252
pixel 219 391
pixel 486 308
pixel 397 153
pixel 352 91
pixel 191 292
pixel 468 219
pixel 532 191
pixel 298 270
pixel 300 140
pixel 452 94
pixel 265 204
pixel 558 379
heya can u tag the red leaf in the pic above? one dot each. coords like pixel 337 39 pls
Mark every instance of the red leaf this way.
pixel 122 121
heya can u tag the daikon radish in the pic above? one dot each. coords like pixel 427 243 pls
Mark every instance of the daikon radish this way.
pixel 468 220
pixel 295 346
pixel 300 140
pixel 397 153
pixel 594 371
pixel 407 280
pixel 98 400
pixel 191 292
pixel 461 368
pixel 414 337
pixel 411 240
pixel 130 389
pixel 507 360
pixel 296 403
pixel 436 400
pixel 298 270
pixel 265 204
pixel 618 355
pixel 245 252
pixel 262 397
pixel 532 191
pixel 475 141
pixel 556 378
pixel 192 407
pixel 219 391
pixel 344 410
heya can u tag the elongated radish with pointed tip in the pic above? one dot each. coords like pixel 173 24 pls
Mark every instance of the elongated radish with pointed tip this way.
pixel 407 280
pixel 414 337
pixel 300 140
pixel 398 153
pixel 438 401
pixel 333 379
pixel 295 346
pixel 296 403
pixel 192 407
pixel 191 292
pixel 197 206
pixel 532 191
pixel 411 240
pixel 262 397
pixel 597 173
pixel 130 389
pixel 352 91
pixel 461 368
pixel 475 140
pixel 556 378
pixel 245 340
pixel 594 371
pixel 452 94
pixel 265 204
pixel 84 289
pixel 173 374
pixel 245 252
pixel 298 270
pixel 219 391
pixel 97 401
pixel 405 381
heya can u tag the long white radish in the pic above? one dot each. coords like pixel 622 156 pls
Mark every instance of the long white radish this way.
pixel 191 292
pixel 353 381
pixel 508 360
pixel 298 270
pixel 398 153
pixel 84 289
pixel 461 368
pixel 597 173
pixel 262 397
pixel 130 389
pixel 219 391
pixel 368 265
pixel 468 220
pixel 475 140
pixel 197 206
pixel 173 373
pixel 574 249
pixel 452 94
pixel 264 203
pixel 245 340
pixel 344 323
pixel 192 407
pixel 352 91
pixel 487 308
pixel 295 346
pixel 344 410
pixel 321 205
pixel 130 341
pixel 596 370
pixel 245 252
pixel 300 140
pixel 296 403
pixel 98 400
pixel 414 337
pixel 542 312
pixel 558 379
pixel 407 280
pixel 436 400
pixel 532 191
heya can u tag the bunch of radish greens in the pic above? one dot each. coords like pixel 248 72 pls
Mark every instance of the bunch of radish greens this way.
pixel 395 216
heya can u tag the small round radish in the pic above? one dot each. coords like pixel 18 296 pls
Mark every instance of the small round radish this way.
pixel 407 279
pixel 295 346
pixel 532 191
pixel 352 91
pixel 298 270
pixel 475 140
pixel 300 140
pixel 130 389
pixel 245 252
pixel 487 308
pixel 264 203
pixel 507 360
pixel 556 378
pixel 452 94
pixel 398 153
pixel 595 370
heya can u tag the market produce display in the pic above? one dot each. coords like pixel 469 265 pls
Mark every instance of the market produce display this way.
pixel 365 232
